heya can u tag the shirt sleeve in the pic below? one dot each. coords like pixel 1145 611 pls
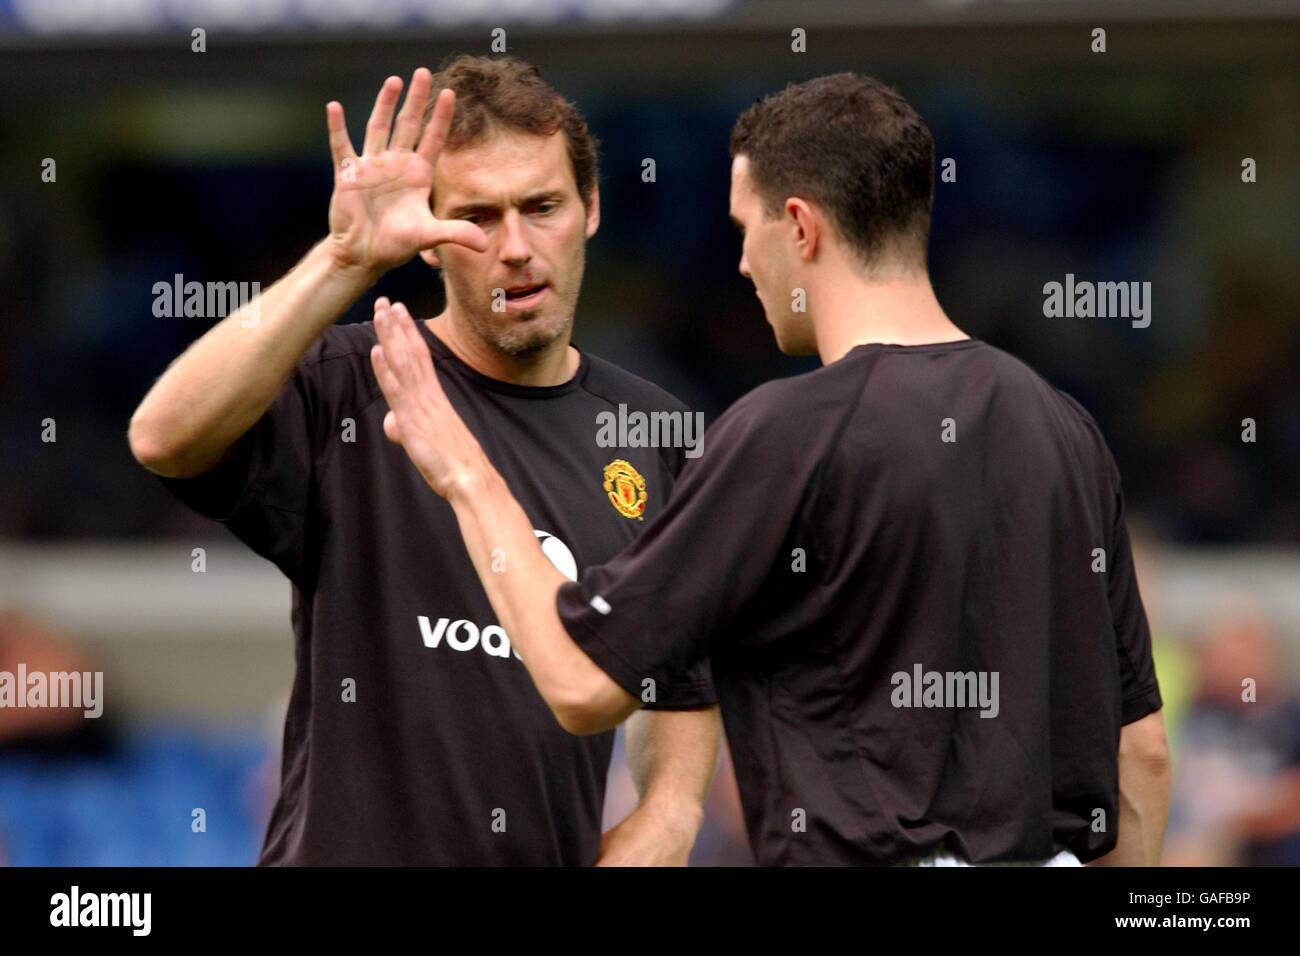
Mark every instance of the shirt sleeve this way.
pixel 1139 689
pixel 650 616
pixel 692 688
pixel 263 489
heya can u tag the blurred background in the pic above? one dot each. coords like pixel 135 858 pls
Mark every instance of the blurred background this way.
pixel 1123 165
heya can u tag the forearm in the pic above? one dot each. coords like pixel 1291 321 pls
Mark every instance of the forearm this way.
pixel 224 382
pixel 672 755
pixel 521 583
pixel 1144 789
pixel 1143 812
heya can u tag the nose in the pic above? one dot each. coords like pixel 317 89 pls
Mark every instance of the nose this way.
pixel 744 266
pixel 514 244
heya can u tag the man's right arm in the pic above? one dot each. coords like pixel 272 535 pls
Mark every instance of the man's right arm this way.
pixel 380 217
pixel 1144 773
pixel 223 383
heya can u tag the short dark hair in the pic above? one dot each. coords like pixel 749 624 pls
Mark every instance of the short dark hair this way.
pixel 507 93
pixel 854 147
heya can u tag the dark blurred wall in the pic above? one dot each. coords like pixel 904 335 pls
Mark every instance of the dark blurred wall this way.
pixel 1123 166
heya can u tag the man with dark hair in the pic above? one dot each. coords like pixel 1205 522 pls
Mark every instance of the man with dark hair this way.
pixel 875 179
pixel 909 569
pixel 413 733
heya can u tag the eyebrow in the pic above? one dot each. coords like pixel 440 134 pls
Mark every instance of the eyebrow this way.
pixel 542 195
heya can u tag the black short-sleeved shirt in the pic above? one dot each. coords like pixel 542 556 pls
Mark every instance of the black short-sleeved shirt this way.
pixel 414 733
pixel 932 506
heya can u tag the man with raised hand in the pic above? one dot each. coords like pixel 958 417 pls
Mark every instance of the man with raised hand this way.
pixel 909 569
pixel 414 735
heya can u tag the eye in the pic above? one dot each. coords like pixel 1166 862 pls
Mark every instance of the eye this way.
pixel 478 216
pixel 545 208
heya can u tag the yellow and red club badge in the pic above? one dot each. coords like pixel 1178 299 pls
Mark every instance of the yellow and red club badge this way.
pixel 626 488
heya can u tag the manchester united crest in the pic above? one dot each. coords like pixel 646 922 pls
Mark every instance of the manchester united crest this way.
pixel 626 488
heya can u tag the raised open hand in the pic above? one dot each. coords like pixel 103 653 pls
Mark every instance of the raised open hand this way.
pixel 421 418
pixel 380 214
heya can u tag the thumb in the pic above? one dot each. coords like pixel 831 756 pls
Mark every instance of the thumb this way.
pixel 462 233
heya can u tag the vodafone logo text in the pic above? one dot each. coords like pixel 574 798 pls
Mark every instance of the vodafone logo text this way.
pixel 462 635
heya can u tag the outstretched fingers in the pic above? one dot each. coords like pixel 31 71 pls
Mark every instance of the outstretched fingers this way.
pixel 409 119
pixel 395 350
pixel 381 117
pixel 404 354
pixel 435 134
pixel 340 143
pixel 415 369
pixel 391 388
pixel 388 383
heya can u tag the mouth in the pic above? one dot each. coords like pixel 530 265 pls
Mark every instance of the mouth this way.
pixel 521 298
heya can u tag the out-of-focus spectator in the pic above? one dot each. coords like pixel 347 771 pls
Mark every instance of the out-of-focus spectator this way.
pixel 50 730
pixel 1237 774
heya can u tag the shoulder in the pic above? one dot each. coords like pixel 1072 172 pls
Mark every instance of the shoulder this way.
pixel 1075 420
pixel 776 425
pixel 336 370
pixel 1017 371
pixel 790 409
pixel 618 386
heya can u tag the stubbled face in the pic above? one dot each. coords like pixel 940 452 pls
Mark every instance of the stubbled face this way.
pixel 520 191
pixel 770 260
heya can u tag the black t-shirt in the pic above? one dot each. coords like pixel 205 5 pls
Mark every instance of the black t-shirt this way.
pixel 933 507
pixel 414 734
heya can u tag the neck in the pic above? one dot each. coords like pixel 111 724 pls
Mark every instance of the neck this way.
pixel 555 364
pixel 890 308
